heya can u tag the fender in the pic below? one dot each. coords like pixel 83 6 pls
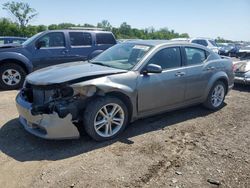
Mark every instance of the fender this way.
pixel 215 77
pixel 95 53
pixel 17 56
pixel 105 85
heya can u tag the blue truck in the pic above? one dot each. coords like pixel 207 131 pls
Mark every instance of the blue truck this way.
pixel 48 48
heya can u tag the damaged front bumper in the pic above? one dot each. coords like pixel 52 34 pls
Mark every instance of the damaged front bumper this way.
pixel 48 126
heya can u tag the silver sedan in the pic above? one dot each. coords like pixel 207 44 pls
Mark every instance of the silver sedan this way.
pixel 129 81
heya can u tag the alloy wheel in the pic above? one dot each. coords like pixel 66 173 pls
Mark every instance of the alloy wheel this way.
pixel 218 96
pixel 11 77
pixel 109 120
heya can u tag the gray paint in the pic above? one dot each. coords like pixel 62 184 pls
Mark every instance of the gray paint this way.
pixel 149 94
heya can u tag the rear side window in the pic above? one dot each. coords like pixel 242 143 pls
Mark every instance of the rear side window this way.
pixel 167 58
pixel 200 42
pixel 80 39
pixel 1 41
pixel 195 55
pixel 55 39
pixel 105 38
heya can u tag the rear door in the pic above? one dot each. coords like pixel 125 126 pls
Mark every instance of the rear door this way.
pixel 199 71
pixel 53 52
pixel 81 46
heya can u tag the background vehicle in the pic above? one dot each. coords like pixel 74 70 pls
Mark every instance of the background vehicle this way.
pixel 209 43
pixel 242 71
pixel 10 40
pixel 229 49
pixel 244 52
pixel 126 82
pixel 49 48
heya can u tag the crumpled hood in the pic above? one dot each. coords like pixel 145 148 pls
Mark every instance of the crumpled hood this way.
pixel 242 66
pixel 69 73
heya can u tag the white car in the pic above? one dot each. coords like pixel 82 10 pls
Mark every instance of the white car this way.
pixel 209 43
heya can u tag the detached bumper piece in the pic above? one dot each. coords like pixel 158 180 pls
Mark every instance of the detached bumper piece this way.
pixel 48 126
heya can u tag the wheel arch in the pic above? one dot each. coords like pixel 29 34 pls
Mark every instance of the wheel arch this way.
pixel 220 76
pixel 17 58
pixel 15 61
pixel 124 98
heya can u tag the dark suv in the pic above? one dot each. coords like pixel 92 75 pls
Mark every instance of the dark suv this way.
pixel 49 48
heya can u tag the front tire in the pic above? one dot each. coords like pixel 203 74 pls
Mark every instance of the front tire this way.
pixel 216 96
pixel 105 118
pixel 12 76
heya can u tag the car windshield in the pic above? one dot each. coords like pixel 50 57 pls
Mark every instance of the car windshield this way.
pixel 122 56
pixel 31 39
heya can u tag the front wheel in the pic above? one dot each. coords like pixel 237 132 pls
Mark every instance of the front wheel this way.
pixel 216 96
pixel 12 76
pixel 105 118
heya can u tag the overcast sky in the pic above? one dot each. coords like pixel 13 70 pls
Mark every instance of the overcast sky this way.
pixel 229 19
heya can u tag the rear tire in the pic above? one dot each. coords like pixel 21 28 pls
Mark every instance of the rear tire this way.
pixel 105 118
pixel 12 76
pixel 216 96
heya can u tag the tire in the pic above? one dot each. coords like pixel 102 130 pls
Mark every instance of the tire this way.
pixel 94 114
pixel 211 103
pixel 12 76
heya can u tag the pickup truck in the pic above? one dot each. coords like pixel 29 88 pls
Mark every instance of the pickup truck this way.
pixel 48 48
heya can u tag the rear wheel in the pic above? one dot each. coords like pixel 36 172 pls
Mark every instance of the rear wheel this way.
pixel 216 96
pixel 12 76
pixel 105 118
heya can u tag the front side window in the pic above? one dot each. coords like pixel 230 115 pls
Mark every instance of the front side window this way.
pixel 194 55
pixel 53 40
pixel 105 38
pixel 122 56
pixel 80 39
pixel 167 58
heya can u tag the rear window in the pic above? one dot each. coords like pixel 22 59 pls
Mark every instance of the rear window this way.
pixel 80 39
pixel 105 38
pixel 201 42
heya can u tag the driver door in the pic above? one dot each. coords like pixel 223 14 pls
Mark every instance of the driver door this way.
pixel 159 91
pixel 53 52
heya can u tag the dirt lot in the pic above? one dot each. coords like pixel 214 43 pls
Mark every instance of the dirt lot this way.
pixel 185 148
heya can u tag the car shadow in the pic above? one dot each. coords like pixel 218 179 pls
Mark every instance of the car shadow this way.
pixel 242 88
pixel 22 146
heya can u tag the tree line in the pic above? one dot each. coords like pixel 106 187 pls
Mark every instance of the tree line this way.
pixel 124 31
pixel 23 14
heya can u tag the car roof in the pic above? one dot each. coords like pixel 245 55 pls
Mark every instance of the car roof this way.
pixel 78 30
pixel 201 38
pixel 158 42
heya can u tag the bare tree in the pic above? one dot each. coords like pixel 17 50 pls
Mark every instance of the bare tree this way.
pixel 22 12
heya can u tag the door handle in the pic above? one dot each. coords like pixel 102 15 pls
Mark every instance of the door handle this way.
pixel 179 74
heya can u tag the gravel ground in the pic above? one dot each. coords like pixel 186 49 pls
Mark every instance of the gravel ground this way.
pixel 192 147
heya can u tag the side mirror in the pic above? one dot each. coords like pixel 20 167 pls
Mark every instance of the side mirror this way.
pixel 152 68
pixel 40 44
